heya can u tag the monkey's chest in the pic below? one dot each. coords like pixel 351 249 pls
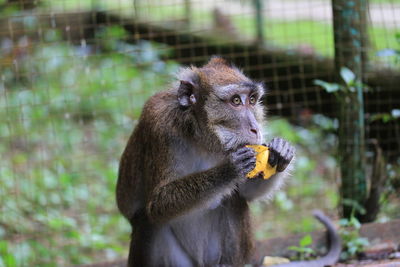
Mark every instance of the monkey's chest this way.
pixel 195 160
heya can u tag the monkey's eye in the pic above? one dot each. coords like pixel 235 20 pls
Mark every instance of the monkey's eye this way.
pixel 236 100
pixel 253 100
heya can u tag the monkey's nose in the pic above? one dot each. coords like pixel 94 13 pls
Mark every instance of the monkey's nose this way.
pixel 254 131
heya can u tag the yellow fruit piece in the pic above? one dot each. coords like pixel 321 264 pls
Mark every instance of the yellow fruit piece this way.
pixel 262 165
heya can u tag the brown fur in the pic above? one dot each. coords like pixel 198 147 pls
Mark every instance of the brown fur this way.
pixel 219 72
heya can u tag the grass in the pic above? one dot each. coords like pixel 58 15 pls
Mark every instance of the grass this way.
pixel 306 36
pixel 315 37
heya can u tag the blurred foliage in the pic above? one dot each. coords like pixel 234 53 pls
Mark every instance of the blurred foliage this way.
pixel 65 115
pixel 353 243
pixel 304 251
pixel 351 83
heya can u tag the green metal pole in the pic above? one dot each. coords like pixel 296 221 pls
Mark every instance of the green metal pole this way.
pixel 259 21
pixel 350 46
pixel 188 13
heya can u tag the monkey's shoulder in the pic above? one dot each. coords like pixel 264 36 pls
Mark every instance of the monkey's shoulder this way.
pixel 160 103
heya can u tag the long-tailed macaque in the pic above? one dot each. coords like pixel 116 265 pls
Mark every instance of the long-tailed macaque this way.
pixel 182 178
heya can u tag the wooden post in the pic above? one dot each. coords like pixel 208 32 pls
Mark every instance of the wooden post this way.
pixel 350 51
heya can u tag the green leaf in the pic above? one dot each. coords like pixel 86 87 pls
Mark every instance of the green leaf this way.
pixel 5 256
pixel 347 75
pixel 329 87
pixel 306 241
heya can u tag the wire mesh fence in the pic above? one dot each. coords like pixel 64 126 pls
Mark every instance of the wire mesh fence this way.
pixel 75 75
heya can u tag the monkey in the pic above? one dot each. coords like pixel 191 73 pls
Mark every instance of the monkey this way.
pixel 182 177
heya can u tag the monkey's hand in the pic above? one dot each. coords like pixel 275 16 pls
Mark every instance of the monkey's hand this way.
pixel 243 160
pixel 281 153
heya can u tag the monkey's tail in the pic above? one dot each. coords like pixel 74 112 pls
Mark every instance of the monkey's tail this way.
pixel 335 246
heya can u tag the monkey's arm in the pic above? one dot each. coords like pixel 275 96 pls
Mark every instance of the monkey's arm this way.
pixel 183 194
pixel 198 190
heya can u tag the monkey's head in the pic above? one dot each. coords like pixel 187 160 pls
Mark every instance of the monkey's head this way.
pixel 223 103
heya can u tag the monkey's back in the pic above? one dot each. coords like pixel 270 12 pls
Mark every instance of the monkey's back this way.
pixel 138 169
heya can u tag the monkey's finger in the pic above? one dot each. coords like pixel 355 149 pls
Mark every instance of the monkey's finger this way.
pixel 273 158
pixel 278 143
pixel 291 153
pixel 244 150
pixel 285 150
pixel 275 144
pixel 282 166
pixel 243 154
pixel 245 158
pixel 250 162
pixel 270 144
pixel 284 159
pixel 282 163
pixel 249 166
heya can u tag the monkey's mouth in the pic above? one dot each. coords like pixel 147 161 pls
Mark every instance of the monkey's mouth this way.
pixel 250 140
pixel 231 139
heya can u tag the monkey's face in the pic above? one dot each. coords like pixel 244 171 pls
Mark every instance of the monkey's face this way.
pixel 225 105
pixel 235 114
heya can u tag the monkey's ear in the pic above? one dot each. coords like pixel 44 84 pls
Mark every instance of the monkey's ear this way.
pixel 186 96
